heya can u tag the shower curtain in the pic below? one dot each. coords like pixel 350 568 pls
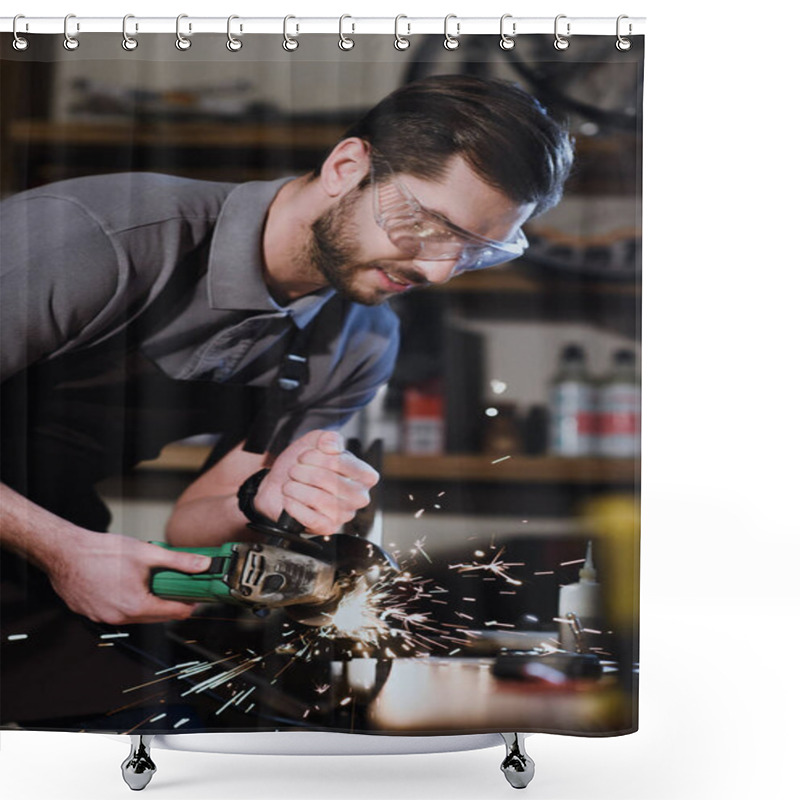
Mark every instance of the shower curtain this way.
pixel 484 387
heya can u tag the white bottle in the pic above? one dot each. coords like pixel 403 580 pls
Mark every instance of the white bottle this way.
pixel 572 406
pixel 584 600
pixel 619 409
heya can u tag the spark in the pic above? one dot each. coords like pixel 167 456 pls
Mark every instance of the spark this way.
pixel 441 494
pixel 177 666
pixel 157 718
pixel 17 637
pixel 569 563
pixel 495 566
pixel 217 680
pixel 180 722
pixel 321 689
pixel 549 572
pixel 115 636
pixel 498 460
pixel 420 546
pixel 419 513
pixel 246 695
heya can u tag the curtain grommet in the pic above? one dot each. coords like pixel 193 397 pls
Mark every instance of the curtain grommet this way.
pixel 233 44
pixel 70 42
pixel 20 43
pixel 345 43
pixel 129 42
pixel 507 41
pixel 290 43
pixel 623 44
pixel 561 42
pixel 401 42
pixel 451 40
pixel 181 42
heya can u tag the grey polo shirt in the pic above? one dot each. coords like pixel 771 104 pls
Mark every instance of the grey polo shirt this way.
pixel 173 268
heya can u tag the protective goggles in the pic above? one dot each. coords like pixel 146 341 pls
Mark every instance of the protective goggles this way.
pixel 428 236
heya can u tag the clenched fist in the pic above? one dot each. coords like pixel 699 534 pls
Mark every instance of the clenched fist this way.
pixel 317 482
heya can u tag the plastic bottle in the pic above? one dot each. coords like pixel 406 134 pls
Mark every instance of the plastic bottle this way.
pixel 584 599
pixel 572 406
pixel 619 403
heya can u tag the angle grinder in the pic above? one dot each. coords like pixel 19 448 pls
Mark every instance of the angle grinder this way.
pixel 307 575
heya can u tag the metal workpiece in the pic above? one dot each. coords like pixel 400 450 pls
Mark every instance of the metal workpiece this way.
pixel 138 768
pixel 517 766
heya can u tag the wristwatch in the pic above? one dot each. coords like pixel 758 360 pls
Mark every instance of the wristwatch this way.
pixel 247 494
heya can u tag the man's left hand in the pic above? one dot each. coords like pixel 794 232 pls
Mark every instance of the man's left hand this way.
pixel 317 482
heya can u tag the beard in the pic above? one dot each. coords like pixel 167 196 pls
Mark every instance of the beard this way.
pixel 333 251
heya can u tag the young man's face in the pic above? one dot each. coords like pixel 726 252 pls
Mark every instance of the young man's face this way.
pixel 356 257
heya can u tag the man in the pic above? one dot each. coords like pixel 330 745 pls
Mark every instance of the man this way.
pixel 138 309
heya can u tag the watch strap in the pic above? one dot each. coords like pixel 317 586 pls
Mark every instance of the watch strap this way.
pixel 247 495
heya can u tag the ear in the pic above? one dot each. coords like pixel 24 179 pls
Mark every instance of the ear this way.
pixel 345 167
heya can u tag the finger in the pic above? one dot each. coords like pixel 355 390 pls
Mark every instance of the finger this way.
pixel 331 442
pixel 350 492
pixel 334 508
pixel 345 464
pixel 178 561
pixel 311 519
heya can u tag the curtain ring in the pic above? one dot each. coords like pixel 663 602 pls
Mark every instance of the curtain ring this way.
pixel 233 44
pixel 128 42
pixel 400 42
pixel 451 42
pixel 507 42
pixel 561 42
pixel 344 42
pixel 290 43
pixel 181 42
pixel 20 43
pixel 623 44
pixel 70 42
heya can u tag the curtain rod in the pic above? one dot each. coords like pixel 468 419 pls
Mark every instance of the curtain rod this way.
pixel 406 26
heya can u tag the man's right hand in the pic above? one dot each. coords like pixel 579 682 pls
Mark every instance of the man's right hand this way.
pixel 106 577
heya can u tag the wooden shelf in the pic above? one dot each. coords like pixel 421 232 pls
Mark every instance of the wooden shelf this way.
pixel 125 133
pixel 516 281
pixel 514 469
pixel 465 468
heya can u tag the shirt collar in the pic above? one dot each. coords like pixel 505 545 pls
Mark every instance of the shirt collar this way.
pixel 235 263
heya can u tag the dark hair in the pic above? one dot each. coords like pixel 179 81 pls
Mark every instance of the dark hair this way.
pixel 504 134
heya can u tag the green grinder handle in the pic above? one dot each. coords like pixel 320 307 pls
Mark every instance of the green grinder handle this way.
pixel 200 587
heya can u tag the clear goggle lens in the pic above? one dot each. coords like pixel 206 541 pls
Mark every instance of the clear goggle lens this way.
pixel 426 236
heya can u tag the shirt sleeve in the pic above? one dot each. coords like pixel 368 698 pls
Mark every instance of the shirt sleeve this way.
pixel 58 271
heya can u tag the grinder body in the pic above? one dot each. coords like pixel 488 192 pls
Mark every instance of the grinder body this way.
pixel 255 575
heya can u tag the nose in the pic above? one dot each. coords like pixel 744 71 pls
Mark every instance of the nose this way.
pixel 437 271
